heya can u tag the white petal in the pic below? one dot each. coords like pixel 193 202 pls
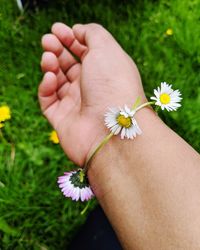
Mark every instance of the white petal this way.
pixel 125 114
pixel 127 110
pixel 76 194
pixel 73 194
pixel 131 131
pixel 156 93
pixel 138 130
pixel 83 193
pixel 127 133
pixel 123 133
pixel 117 130
pixel 154 98
pixel 67 193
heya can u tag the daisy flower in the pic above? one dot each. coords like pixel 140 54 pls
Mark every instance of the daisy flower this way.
pixel 166 97
pixel 75 185
pixel 54 137
pixel 4 113
pixel 122 120
pixel 169 32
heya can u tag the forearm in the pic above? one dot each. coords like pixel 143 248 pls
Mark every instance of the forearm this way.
pixel 150 187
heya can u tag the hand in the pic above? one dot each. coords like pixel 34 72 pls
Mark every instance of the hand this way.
pixel 75 95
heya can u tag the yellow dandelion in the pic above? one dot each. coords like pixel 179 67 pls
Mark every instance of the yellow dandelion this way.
pixel 4 113
pixel 1 125
pixel 169 32
pixel 54 137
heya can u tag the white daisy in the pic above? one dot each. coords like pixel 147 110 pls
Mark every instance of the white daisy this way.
pixel 75 185
pixel 122 120
pixel 166 97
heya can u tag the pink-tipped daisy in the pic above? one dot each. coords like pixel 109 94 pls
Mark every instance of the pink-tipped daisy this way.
pixel 122 120
pixel 75 185
pixel 166 97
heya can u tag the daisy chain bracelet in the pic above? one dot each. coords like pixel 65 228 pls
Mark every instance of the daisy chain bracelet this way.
pixel 74 184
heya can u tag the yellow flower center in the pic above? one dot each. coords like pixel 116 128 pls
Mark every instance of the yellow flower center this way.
pixel 54 137
pixel 169 32
pixel 164 98
pixel 124 121
pixel 4 113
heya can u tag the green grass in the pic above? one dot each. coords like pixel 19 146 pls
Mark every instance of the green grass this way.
pixel 33 213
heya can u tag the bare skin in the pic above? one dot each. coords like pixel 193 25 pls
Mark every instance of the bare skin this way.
pixel 149 187
pixel 73 95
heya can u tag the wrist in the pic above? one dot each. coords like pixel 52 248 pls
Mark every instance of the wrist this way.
pixel 120 155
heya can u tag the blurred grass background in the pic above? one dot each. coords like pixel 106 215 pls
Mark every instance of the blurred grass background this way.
pixel 33 212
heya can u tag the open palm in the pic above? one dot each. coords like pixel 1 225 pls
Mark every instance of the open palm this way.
pixel 75 94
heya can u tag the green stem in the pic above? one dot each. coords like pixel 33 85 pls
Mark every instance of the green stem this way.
pixel 12 154
pixel 109 136
pixel 137 102
pixel 3 138
pixel 144 105
pixel 11 145
pixel 100 145
pixel 86 207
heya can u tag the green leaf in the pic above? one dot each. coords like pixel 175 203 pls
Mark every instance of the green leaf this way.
pixel 2 184
pixel 6 228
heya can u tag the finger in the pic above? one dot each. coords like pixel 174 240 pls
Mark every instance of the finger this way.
pixel 47 91
pixel 67 38
pixel 73 73
pixel 52 44
pixel 92 35
pixel 63 90
pixel 49 62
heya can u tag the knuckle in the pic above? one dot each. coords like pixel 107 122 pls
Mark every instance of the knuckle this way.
pixel 100 33
pixel 96 27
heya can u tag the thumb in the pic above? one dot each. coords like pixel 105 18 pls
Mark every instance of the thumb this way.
pixel 93 35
